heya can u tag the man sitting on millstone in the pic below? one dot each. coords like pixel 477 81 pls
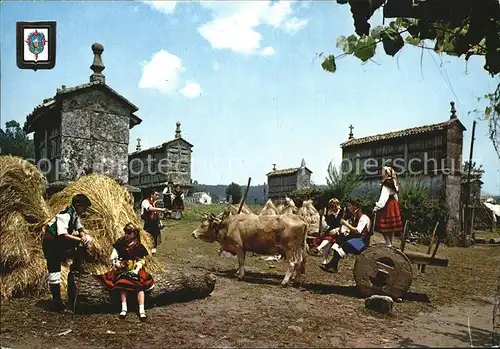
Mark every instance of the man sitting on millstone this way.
pixel 64 239
pixel 357 239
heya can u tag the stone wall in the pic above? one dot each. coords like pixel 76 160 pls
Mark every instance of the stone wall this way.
pixel 95 135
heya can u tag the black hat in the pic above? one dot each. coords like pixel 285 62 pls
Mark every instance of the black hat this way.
pixel 81 200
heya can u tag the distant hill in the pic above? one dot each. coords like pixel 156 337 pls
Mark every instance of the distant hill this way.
pixel 256 193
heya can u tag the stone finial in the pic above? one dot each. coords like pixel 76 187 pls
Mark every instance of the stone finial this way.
pixel 178 130
pixel 274 167
pixel 453 111
pixel 138 146
pixel 351 135
pixel 97 66
pixel 303 163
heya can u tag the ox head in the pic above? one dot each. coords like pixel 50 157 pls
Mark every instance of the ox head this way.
pixel 208 230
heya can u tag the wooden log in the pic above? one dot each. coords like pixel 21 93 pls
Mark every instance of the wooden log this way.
pixel 384 271
pixel 171 286
pixel 422 258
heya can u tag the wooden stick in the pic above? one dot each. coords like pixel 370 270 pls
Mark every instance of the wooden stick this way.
pixel 422 267
pixel 320 222
pixel 403 238
pixel 245 196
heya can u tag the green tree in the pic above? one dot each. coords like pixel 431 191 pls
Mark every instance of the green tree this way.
pixel 233 191
pixel 342 183
pixel 461 28
pixel 475 172
pixel 15 142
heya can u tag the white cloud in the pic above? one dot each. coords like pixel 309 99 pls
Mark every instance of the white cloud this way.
pixel 234 24
pixel 191 90
pixel 268 51
pixel 166 7
pixel 163 73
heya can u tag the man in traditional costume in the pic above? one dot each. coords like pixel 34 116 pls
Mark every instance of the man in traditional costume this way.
pixel 388 215
pixel 64 239
pixel 167 196
pixel 149 213
pixel 357 238
pixel 178 202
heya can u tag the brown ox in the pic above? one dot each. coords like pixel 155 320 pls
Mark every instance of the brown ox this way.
pixel 264 235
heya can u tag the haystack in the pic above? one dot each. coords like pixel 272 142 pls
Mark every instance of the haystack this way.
pixel 280 208
pixel 245 210
pixel 111 210
pixel 22 214
pixel 309 213
pixel 269 209
pixel 290 208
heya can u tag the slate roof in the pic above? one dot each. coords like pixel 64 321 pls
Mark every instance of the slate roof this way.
pixel 50 103
pixel 403 133
pixel 286 171
pixel 158 147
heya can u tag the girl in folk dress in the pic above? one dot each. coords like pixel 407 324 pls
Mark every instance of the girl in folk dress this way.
pixel 127 273
pixel 178 202
pixel 388 215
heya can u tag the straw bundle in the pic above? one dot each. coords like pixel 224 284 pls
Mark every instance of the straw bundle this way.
pixel 111 210
pixel 269 209
pixel 280 208
pixel 245 210
pixel 309 213
pixel 22 214
pixel 290 209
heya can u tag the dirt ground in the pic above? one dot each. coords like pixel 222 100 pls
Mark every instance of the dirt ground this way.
pixel 446 307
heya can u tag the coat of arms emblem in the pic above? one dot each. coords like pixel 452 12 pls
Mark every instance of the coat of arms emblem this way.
pixel 36 43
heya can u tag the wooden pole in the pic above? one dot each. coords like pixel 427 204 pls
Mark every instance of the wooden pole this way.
pixel 403 238
pixel 467 198
pixel 245 195
pixel 422 266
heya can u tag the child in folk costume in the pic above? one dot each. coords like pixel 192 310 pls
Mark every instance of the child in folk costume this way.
pixel 128 273
pixel 357 240
pixel 64 239
pixel 331 224
pixel 388 215
pixel 167 197
pixel 149 213
pixel 178 202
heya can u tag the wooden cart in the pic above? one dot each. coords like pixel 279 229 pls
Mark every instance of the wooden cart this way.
pixel 388 271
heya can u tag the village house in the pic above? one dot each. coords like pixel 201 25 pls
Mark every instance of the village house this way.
pixel 282 183
pixel 431 154
pixel 170 161
pixel 83 129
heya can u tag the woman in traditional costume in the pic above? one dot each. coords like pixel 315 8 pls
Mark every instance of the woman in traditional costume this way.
pixel 128 273
pixel 331 224
pixel 178 202
pixel 388 215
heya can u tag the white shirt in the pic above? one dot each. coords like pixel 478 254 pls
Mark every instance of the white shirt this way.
pixel 384 196
pixel 63 220
pixel 363 222
pixel 166 191
pixel 145 205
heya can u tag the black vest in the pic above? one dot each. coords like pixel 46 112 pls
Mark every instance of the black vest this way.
pixel 333 221
pixel 52 229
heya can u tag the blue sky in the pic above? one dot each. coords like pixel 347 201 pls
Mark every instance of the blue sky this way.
pixel 244 82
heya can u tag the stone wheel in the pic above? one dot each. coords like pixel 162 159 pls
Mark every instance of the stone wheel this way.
pixel 383 270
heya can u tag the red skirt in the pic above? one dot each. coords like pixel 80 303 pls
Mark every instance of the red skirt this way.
pixel 317 241
pixel 116 281
pixel 389 218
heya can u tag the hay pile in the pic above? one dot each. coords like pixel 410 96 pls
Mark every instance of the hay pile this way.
pixel 269 209
pixel 290 208
pixel 280 208
pixel 244 210
pixel 309 213
pixel 23 212
pixel 111 210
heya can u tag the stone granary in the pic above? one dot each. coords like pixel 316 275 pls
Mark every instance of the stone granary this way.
pixel 430 153
pixel 83 129
pixel 170 161
pixel 282 183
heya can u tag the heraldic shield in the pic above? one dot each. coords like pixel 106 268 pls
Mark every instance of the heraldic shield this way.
pixel 36 45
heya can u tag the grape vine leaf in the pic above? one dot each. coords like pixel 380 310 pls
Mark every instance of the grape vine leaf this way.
pixel 348 45
pixel 365 48
pixel 392 41
pixel 329 64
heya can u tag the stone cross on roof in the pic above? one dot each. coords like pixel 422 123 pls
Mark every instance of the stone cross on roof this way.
pixel 97 65
pixel 351 135
pixel 138 146
pixel 274 167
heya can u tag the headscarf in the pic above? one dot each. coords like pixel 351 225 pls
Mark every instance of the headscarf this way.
pixel 388 173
